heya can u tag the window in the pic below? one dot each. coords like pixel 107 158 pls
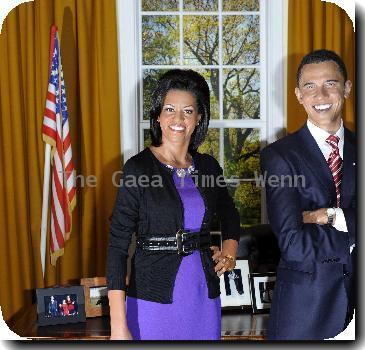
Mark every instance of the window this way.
pixel 227 41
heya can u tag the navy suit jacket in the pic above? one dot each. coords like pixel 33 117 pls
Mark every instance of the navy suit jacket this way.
pixel 314 289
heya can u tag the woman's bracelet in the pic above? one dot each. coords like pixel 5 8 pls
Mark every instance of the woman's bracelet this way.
pixel 230 257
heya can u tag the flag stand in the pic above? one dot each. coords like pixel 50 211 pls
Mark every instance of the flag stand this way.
pixel 47 166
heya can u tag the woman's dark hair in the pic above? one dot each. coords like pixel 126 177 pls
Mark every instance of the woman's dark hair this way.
pixel 319 56
pixel 186 80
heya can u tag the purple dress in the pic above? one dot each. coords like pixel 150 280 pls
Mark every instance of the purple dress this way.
pixel 192 315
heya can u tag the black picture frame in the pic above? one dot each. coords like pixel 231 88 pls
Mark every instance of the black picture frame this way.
pixel 60 305
pixel 235 287
pixel 262 287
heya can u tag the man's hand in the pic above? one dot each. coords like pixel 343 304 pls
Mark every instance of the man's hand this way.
pixel 318 217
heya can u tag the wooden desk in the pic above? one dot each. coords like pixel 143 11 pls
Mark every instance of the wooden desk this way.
pixel 236 325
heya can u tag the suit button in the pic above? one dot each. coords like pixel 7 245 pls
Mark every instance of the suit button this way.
pixel 346 273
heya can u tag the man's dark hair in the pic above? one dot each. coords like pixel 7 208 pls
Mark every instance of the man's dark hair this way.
pixel 186 80
pixel 319 56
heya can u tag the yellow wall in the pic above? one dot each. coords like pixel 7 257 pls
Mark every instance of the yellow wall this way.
pixel 312 25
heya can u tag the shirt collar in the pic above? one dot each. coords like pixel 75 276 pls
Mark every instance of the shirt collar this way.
pixel 321 135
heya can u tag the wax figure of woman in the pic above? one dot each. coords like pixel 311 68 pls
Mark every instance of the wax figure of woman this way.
pixel 169 193
pixel 70 305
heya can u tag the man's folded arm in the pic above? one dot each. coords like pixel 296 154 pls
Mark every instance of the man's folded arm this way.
pixel 297 241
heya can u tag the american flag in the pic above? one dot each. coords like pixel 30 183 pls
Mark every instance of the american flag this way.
pixel 55 130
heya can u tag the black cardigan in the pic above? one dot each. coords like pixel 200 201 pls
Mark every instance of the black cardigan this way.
pixel 155 211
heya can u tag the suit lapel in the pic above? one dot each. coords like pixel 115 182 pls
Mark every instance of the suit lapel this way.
pixel 316 162
pixel 348 170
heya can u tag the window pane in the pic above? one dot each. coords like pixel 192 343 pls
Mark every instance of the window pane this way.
pixel 241 88
pixel 201 40
pixel 158 5
pixel 247 199
pixel 241 160
pixel 160 39
pixel 241 153
pixel 241 40
pixel 211 143
pixel 212 78
pixel 241 5
pixel 146 138
pixel 201 5
pixel 150 78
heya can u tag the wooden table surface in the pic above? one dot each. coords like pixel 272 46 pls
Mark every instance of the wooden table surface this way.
pixel 236 325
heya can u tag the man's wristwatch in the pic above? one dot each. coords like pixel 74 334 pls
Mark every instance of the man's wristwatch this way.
pixel 331 212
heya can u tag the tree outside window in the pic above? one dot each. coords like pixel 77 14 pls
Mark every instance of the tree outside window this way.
pixel 220 40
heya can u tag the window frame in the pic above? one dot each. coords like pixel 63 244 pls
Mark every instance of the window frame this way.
pixel 272 67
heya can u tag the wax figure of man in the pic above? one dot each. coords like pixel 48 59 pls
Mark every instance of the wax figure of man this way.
pixel 52 307
pixel 311 208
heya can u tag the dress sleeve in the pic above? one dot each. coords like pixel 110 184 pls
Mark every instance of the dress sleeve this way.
pixel 123 225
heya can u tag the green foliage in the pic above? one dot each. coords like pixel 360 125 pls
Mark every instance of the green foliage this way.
pixel 241 87
pixel 241 38
pixel 201 5
pixel 201 40
pixel 247 198
pixel 158 5
pixel 212 75
pixel 211 143
pixel 147 138
pixel 241 160
pixel 241 5
pixel 160 37
pixel 241 152
pixel 150 78
pixel 241 94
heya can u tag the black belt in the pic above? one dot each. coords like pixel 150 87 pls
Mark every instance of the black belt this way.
pixel 184 243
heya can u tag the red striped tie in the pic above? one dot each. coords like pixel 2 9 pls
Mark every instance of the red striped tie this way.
pixel 335 164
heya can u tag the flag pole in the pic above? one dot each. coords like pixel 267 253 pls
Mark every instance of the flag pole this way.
pixel 47 166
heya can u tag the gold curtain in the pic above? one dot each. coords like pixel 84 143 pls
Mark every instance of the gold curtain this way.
pixel 312 25
pixel 87 32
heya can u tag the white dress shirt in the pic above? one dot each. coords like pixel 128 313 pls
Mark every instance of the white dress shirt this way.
pixel 320 136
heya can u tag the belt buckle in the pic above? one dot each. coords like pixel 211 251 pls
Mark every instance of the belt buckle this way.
pixel 180 242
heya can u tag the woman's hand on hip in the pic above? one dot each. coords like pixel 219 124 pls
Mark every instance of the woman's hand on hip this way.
pixel 223 262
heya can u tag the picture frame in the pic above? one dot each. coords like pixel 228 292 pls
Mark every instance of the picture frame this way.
pixel 96 296
pixel 262 287
pixel 234 286
pixel 60 305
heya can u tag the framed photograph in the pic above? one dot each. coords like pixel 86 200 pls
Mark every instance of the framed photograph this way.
pixel 234 286
pixel 60 305
pixel 96 296
pixel 262 289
